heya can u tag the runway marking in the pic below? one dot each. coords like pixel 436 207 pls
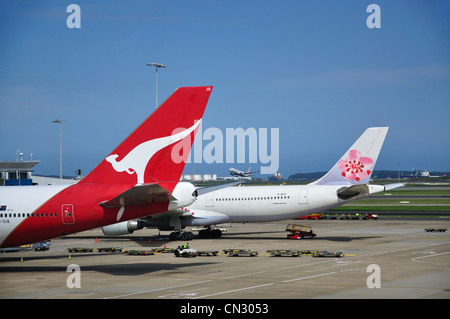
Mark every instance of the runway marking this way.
pixel 158 289
pixel 185 294
pixel 416 259
pixel 277 269
pixel 401 249
pixel 448 252
pixel 304 265
pixel 249 274
pixel 308 277
pixel 234 290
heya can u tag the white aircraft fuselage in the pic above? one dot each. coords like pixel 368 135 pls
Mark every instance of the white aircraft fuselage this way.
pixel 270 203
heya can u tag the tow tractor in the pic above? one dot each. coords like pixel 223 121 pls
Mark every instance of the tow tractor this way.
pixel 299 231
pixel 185 251
pixel 42 246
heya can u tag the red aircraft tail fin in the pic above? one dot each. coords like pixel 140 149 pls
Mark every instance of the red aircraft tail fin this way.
pixel 158 149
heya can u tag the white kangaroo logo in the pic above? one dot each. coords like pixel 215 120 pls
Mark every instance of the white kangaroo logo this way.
pixel 137 159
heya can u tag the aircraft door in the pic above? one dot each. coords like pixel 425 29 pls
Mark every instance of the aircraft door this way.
pixel 67 212
pixel 303 196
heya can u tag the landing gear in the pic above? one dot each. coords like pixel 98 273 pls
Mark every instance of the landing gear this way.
pixel 178 235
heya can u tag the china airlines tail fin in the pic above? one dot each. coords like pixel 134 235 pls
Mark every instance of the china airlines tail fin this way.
pixel 158 149
pixel 356 166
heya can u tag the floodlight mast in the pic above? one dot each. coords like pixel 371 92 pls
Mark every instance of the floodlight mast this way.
pixel 60 144
pixel 157 66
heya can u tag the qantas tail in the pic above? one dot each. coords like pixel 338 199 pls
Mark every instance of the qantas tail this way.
pixel 356 166
pixel 158 149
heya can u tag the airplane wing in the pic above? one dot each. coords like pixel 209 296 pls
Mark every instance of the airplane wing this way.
pixel 139 195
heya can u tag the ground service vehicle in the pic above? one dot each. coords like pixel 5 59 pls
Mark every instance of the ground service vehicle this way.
pixel 436 230
pixel 312 216
pixel 241 252
pixel 299 231
pixel 325 253
pixel 207 253
pixel 109 249
pixel 370 216
pixel 80 250
pixel 284 253
pixel 140 252
pixel 185 251
pixel 42 246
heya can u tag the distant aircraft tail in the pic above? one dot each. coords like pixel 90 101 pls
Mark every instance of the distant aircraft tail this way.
pixel 158 149
pixel 356 166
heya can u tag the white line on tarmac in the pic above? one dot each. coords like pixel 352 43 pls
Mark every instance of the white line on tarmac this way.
pixel 158 289
pixel 308 277
pixel 448 252
pixel 183 293
pixel 278 269
pixel 244 275
pixel 234 290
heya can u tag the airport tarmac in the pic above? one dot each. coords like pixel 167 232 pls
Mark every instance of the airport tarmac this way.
pixel 412 263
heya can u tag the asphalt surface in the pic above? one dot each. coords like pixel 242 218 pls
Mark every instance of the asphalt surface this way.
pixel 399 256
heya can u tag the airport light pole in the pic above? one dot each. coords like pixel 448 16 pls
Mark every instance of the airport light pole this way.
pixel 60 144
pixel 157 66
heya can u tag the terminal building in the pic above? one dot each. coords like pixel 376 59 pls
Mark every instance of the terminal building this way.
pixel 16 173
pixel 20 173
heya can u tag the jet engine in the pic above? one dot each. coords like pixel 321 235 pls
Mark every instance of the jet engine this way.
pixel 187 217
pixel 184 194
pixel 122 228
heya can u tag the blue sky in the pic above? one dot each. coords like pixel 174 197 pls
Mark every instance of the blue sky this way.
pixel 313 69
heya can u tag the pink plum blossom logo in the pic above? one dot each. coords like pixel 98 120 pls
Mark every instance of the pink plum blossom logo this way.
pixel 355 166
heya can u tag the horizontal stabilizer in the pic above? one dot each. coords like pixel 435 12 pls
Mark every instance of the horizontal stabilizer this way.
pixel 139 195
pixel 358 191
pixel 353 192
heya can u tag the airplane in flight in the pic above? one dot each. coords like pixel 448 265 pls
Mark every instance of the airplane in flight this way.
pixel 346 181
pixel 236 172
pixel 139 178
